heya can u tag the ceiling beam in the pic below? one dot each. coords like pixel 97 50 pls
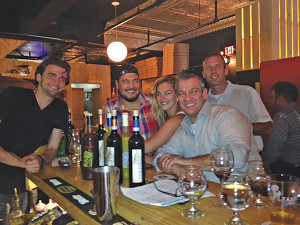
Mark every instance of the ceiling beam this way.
pixel 48 14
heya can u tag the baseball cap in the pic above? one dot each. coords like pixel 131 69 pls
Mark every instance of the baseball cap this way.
pixel 127 68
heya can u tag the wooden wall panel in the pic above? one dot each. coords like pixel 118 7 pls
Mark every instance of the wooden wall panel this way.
pixel 289 30
pixel 247 46
pixel 275 49
pixel 238 39
pixel 278 36
pixel 265 29
pixel 78 107
pixel 248 37
pixel 255 36
pixel 9 64
pixel 296 27
pixel 282 31
pixel 8 45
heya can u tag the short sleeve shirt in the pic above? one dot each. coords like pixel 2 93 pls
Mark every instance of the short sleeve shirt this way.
pixel 24 127
pixel 247 101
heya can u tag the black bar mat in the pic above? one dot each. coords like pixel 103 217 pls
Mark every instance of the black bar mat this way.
pixel 78 198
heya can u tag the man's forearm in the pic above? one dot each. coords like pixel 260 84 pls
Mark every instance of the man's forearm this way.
pixel 262 128
pixel 175 169
pixel 49 155
pixel 203 161
pixel 11 159
pixel 173 163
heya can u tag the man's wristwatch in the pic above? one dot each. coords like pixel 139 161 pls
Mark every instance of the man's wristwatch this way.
pixel 42 161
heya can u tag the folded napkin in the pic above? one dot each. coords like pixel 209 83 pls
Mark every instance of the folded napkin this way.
pixel 149 195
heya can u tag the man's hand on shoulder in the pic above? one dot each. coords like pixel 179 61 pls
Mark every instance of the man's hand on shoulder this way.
pixel 33 163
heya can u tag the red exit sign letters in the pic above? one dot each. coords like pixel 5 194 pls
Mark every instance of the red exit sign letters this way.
pixel 229 50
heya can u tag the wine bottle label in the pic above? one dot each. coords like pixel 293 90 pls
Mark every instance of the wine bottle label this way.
pixel 110 156
pixel 125 160
pixel 101 152
pixel 137 167
pixel 88 157
pixel 136 125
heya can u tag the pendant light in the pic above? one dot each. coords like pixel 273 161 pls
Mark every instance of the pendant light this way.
pixel 116 50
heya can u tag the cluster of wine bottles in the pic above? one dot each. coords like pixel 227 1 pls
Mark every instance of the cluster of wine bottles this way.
pixel 108 147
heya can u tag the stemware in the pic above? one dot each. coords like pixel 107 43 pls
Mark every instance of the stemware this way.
pixel 236 194
pixel 222 162
pixel 258 182
pixel 192 185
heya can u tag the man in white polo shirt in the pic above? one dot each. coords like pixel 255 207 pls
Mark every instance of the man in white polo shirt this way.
pixel 242 97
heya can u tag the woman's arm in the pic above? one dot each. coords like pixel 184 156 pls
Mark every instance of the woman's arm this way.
pixel 163 135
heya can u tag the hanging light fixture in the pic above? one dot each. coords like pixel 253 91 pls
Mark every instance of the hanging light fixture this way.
pixel 116 50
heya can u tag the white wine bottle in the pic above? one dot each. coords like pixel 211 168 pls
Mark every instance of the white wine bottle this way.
pixel 125 139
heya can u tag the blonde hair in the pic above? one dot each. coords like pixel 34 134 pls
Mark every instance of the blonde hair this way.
pixel 159 114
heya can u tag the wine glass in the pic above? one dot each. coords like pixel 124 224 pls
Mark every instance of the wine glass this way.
pixel 258 182
pixel 222 162
pixel 192 185
pixel 236 194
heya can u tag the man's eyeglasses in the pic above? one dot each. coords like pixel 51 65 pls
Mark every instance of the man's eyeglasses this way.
pixel 167 193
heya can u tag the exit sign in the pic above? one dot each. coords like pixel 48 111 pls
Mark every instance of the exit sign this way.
pixel 229 50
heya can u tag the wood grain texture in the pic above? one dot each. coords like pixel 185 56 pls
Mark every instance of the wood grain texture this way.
pixel 143 214
pixel 8 45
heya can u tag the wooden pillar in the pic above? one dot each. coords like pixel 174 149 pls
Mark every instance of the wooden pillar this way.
pixel 267 30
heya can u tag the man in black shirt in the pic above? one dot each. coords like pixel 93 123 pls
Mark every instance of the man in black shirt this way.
pixel 28 120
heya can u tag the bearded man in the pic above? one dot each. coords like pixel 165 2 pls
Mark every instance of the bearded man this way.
pixel 130 97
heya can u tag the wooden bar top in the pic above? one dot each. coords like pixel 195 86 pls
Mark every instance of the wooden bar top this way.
pixel 140 213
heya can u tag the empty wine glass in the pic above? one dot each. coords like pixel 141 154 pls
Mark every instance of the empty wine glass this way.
pixel 258 182
pixel 236 194
pixel 192 185
pixel 222 162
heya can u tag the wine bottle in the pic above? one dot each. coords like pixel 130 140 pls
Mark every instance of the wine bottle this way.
pixel 30 211
pixel 136 154
pixel 61 151
pixel 125 138
pixel 100 138
pixel 114 147
pixel 68 133
pixel 108 131
pixel 89 151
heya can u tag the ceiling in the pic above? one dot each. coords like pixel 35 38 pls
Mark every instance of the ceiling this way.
pixel 80 30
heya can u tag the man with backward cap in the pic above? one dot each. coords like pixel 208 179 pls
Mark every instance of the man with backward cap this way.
pixel 130 97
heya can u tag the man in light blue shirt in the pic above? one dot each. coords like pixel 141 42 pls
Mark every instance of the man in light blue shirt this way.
pixel 204 128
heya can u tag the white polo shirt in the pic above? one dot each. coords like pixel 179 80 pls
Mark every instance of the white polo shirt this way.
pixel 247 100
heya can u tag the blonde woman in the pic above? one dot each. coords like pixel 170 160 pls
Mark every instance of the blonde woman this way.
pixel 166 112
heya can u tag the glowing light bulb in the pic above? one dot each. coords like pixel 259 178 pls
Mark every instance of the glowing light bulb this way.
pixel 117 51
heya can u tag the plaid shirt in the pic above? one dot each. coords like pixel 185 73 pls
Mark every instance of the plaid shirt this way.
pixel 147 120
pixel 284 143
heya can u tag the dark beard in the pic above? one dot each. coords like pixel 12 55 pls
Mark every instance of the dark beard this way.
pixel 128 99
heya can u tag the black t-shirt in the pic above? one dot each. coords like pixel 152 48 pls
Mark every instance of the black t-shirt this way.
pixel 24 127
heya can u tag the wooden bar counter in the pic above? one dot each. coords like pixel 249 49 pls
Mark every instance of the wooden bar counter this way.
pixel 143 214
